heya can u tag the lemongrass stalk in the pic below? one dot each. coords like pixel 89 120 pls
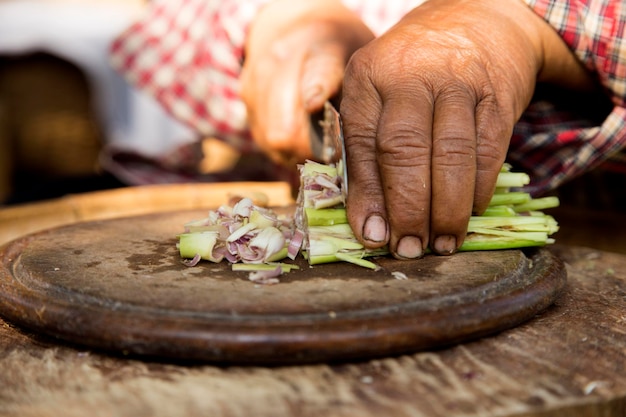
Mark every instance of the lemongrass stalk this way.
pixel 323 245
pixel 509 198
pixel 321 259
pixel 512 179
pixel 509 222
pixel 326 217
pixel 534 236
pixel 495 243
pixel 537 204
pixel 357 260
pixel 342 229
pixel 499 211
pixel 336 257
pixel 270 266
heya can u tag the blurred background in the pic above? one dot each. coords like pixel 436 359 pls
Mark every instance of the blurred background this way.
pixel 62 108
pixel 60 104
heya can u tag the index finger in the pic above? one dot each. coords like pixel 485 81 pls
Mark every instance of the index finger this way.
pixel 365 203
pixel 388 144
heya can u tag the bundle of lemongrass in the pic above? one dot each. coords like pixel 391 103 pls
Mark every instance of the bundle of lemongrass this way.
pixel 256 240
pixel 513 220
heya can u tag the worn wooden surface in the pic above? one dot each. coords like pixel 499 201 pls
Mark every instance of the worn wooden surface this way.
pixel 568 361
pixel 120 285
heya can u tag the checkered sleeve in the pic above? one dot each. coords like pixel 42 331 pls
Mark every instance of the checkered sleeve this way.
pixel 553 145
pixel 188 55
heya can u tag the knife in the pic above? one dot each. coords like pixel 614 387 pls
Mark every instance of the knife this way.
pixel 327 142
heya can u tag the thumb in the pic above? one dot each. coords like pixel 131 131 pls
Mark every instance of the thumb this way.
pixel 322 75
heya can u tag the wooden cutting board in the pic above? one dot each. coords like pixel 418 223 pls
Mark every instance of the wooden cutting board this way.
pixel 118 285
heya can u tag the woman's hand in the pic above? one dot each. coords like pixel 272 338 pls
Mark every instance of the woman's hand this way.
pixel 296 53
pixel 428 111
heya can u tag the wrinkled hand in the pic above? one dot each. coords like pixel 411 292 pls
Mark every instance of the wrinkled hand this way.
pixel 428 111
pixel 296 54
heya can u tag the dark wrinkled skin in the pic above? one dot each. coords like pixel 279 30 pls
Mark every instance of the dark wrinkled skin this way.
pixel 428 108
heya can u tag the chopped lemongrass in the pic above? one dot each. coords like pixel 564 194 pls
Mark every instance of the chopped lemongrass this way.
pixel 280 255
pixel 311 168
pixel 328 202
pixel 247 227
pixel 201 243
pixel 255 240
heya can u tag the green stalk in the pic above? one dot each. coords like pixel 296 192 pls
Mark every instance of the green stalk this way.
pixel 326 217
pixel 509 198
pixel 493 243
pixel 537 204
pixel 201 243
pixel 513 219
pixel 499 211
pixel 512 179
pixel 270 266
pixel 533 236
pixel 513 223
pixel 357 260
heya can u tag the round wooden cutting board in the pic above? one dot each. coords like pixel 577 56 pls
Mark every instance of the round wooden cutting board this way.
pixel 119 285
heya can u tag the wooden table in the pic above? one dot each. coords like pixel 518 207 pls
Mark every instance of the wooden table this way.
pixel 569 361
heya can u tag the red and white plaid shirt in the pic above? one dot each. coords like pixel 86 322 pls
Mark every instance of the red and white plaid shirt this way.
pixel 189 53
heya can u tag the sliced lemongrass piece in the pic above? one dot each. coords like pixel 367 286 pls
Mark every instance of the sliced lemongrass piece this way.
pixel 241 231
pixel 278 256
pixel 312 168
pixel 201 243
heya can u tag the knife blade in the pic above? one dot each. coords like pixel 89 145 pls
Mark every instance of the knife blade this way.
pixel 327 141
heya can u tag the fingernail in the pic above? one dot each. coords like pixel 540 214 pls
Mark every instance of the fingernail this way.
pixel 409 247
pixel 375 229
pixel 312 95
pixel 445 245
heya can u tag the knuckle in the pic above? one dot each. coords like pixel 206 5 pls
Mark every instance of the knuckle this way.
pixel 454 151
pixel 404 148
